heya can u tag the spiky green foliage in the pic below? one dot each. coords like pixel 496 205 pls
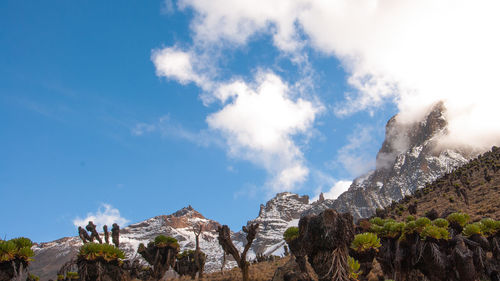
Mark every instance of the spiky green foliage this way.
pixel 422 222
pixel 386 228
pixel 440 223
pixel 291 233
pixel 489 226
pixel 435 232
pixel 22 242
pixel 354 266
pixel 92 251
pixel 375 228
pixel 60 277
pixel 393 229
pixel 25 253
pixel 33 277
pixel 410 227
pixel 164 241
pixel 8 251
pixel 377 221
pixel 460 218
pixel 410 218
pixel 473 228
pixel 365 241
pixel 17 248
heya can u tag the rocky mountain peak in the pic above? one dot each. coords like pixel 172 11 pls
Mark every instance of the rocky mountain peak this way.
pixel 407 160
pixel 401 136
pixel 187 217
pixel 186 211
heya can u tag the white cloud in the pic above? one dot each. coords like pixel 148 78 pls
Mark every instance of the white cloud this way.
pixel 338 188
pixel 324 181
pixel 234 22
pixel 259 122
pixel 105 215
pixel 177 64
pixel 412 53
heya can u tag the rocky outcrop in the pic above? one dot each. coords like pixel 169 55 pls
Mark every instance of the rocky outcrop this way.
pixel 324 241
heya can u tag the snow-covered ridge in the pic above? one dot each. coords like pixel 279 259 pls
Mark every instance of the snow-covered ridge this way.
pixel 49 257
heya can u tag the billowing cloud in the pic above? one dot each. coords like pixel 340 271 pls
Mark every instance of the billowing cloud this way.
pixel 105 215
pixel 234 22
pixel 259 122
pixel 178 65
pixel 412 53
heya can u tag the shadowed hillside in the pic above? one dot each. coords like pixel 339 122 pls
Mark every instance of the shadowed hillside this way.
pixel 473 188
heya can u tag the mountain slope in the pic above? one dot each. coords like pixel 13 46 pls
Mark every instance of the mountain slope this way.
pixel 473 188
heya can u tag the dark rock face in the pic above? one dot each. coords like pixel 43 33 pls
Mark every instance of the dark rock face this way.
pixel 408 159
pixel 325 240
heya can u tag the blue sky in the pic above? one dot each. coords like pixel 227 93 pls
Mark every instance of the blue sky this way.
pixel 132 109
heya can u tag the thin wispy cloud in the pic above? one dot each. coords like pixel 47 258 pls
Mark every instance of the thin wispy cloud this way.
pixel 166 127
pixel 356 156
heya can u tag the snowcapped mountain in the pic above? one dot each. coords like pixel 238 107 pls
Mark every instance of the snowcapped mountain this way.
pixel 49 257
pixel 409 158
